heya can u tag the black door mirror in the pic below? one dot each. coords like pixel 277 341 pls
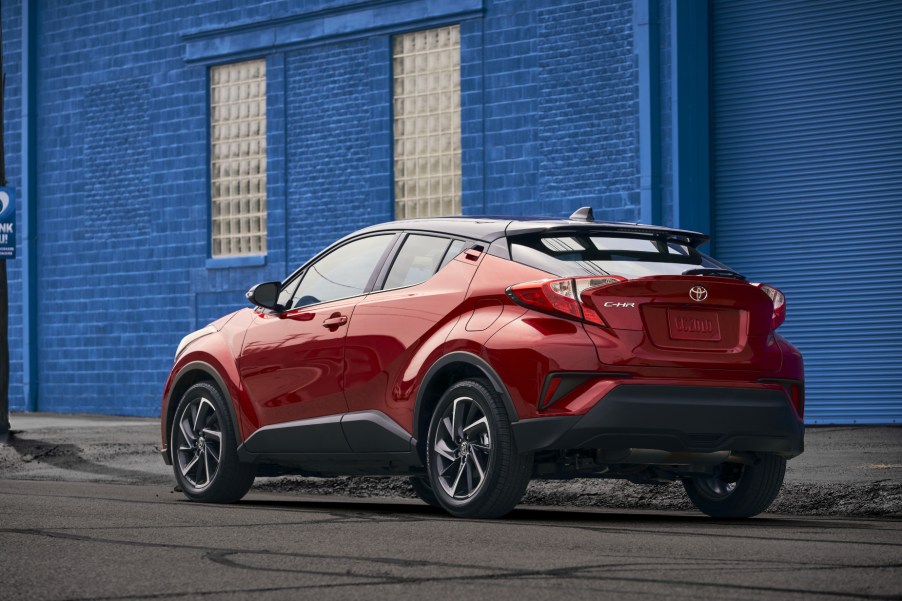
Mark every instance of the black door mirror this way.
pixel 265 295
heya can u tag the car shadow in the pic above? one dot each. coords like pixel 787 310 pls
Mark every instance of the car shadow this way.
pixel 553 515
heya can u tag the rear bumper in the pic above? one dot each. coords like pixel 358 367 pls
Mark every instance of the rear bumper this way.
pixel 674 418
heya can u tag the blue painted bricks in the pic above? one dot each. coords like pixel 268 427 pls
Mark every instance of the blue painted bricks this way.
pixel 11 14
pixel 120 116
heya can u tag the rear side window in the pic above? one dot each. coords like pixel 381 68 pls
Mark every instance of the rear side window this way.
pixel 607 253
pixel 455 249
pixel 418 259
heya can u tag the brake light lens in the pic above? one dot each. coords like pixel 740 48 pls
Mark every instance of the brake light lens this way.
pixel 779 301
pixel 561 297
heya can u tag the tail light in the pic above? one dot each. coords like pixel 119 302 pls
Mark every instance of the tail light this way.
pixel 779 303
pixel 561 297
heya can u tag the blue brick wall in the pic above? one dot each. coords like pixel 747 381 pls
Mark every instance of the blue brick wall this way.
pixel 588 113
pixel 665 30
pixel 212 14
pixel 560 109
pixel 548 124
pixel 120 197
pixel 117 206
pixel 11 13
pixel 511 93
pixel 329 134
pixel 472 112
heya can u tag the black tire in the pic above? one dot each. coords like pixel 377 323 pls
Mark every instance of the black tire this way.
pixel 203 449
pixel 473 465
pixel 424 491
pixel 752 490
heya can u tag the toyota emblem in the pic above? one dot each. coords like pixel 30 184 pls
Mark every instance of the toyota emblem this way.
pixel 698 293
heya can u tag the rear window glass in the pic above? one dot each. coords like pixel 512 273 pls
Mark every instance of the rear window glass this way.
pixel 609 254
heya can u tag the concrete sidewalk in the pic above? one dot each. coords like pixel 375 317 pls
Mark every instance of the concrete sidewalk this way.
pixel 855 470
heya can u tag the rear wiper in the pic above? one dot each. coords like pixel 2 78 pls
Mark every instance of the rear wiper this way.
pixel 723 273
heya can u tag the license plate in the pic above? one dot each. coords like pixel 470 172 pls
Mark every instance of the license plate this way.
pixel 693 325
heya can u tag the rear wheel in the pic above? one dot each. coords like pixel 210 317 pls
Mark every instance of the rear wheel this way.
pixel 473 465
pixel 738 491
pixel 203 448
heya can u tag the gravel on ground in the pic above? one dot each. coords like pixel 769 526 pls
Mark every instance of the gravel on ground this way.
pixel 845 471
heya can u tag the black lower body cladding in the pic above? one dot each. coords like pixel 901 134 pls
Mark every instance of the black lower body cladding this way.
pixel 674 418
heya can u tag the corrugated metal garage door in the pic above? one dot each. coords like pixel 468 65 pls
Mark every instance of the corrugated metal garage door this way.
pixel 807 100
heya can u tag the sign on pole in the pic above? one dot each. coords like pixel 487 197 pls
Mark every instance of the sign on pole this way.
pixel 7 223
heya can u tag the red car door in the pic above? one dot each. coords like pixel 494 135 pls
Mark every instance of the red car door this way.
pixel 292 363
pixel 412 314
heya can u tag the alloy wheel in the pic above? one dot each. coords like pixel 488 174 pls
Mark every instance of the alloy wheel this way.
pixel 198 439
pixel 462 449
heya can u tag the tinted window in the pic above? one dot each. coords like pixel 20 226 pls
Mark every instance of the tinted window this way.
pixel 605 253
pixel 455 249
pixel 342 273
pixel 417 260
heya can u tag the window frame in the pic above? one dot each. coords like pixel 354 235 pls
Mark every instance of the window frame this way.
pixel 383 266
pixel 383 280
pixel 456 184
pixel 379 285
pixel 256 257
pixel 295 278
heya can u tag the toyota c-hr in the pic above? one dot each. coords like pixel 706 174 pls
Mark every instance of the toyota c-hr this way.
pixel 473 354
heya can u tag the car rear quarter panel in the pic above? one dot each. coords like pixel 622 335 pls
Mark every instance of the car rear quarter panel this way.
pixel 793 365
pixel 520 345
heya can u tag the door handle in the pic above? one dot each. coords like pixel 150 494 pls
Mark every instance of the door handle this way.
pixel 335 321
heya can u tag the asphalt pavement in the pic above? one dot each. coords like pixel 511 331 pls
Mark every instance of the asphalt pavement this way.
pixel 88 511
pixel 844 471
pixel 78 541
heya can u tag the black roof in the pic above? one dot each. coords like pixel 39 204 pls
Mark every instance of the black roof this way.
pixel 490 228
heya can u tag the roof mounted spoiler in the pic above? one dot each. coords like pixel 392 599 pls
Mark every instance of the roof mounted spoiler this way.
pixel 583 214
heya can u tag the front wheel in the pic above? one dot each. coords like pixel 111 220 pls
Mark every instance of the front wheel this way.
pixel 472 461
pixel 738 491
pixel 204 451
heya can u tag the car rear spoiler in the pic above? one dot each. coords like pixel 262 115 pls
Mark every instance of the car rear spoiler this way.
pixel 693 239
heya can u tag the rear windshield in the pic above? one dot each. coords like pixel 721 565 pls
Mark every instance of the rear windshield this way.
pixel 607 253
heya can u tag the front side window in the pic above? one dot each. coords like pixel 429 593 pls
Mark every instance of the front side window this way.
pixel 238 159
pixel 342 273
pixel 426 75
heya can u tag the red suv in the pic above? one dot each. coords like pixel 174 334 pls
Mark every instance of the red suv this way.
pixel 473 354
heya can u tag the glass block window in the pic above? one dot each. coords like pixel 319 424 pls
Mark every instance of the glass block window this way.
pixel 238 158
pixel 426 72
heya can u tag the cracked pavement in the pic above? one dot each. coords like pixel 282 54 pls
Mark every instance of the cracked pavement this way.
pixel 77 541
pixel 88 511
